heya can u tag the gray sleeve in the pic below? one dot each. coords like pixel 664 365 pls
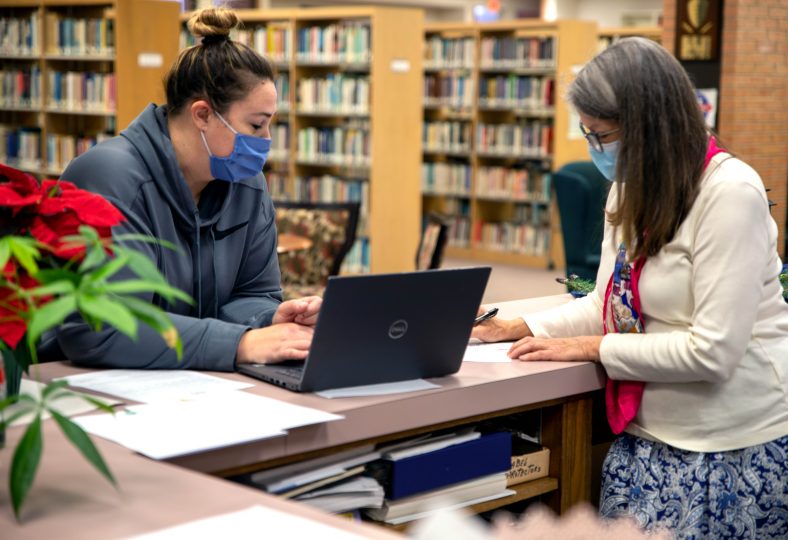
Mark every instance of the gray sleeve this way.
pixel 209 344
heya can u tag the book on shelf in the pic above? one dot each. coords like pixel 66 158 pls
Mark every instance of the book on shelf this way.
pixel 335 93
pixel 290 477
pixel 344 42
pixel 517 52
pixel 345 495
pixel 449 53
pixel 79 36
pixel 19 35
pixel 21 88
pixel 439 462
pixel 459 495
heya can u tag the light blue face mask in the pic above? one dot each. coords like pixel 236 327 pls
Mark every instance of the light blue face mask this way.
pixel 245 161
pixel 606 161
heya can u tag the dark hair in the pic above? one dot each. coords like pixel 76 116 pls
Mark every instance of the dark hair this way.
pixel 638 84
pixel 219 70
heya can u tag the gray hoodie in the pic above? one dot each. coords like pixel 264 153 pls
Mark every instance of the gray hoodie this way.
pixel 226 259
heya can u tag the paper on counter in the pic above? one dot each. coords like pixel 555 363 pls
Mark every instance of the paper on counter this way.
pixel 251 523
pixel 479 351
pixel 67 406
pixel 382 389
pixel 166 429
pixel 148 385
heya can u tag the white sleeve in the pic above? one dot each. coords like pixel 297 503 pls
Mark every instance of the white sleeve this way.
pixel 731 247
pixel 580 317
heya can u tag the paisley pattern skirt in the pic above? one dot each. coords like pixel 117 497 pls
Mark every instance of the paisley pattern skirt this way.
pixel 736 494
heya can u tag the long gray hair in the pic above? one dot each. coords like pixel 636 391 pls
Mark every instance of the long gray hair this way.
pixel 639 85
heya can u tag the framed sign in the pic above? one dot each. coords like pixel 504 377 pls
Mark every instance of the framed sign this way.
pixel 698 29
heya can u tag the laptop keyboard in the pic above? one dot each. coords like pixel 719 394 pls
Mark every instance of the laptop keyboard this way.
pixel 290 372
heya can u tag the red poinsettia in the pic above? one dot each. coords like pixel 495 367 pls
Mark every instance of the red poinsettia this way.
pixel 12 325
pixel 51 210
pixel 47 212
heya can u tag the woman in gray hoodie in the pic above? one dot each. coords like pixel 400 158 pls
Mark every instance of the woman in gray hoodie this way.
pixel 190 172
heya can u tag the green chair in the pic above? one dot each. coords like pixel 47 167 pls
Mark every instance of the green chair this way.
pixel 581 192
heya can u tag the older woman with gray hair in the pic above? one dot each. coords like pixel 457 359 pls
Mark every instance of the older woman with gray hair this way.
pixel 687 317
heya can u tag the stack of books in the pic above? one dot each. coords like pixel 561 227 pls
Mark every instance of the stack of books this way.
pixel 331 483
pixel 450 470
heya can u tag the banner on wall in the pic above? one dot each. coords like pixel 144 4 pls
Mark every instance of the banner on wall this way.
pixel 707 99
pixel 698 29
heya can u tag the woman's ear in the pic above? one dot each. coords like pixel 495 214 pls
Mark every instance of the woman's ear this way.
pixel 201 112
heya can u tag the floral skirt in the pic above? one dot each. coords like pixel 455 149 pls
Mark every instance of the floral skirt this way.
pixel 736 494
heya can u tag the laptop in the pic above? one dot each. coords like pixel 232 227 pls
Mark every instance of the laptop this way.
pixel 384 328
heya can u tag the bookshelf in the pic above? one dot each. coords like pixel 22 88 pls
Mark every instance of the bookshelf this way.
pixel 495 128
pixel 349 81
pixel 75 72
pixel 608 36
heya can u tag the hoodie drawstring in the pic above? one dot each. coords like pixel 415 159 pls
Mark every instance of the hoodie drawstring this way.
pixel 197 262
pixel 215 282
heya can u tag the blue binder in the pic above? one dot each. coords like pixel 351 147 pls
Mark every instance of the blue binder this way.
pixel 486 455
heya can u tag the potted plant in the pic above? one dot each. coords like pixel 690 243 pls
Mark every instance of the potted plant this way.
pixel 57 258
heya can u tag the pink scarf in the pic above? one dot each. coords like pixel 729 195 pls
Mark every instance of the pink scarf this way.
pixel 621 313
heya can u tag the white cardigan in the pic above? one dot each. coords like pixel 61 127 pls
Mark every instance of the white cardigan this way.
pixel 714 353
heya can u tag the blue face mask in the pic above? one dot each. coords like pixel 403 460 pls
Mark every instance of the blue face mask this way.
pixel 246 160
pixel 606 161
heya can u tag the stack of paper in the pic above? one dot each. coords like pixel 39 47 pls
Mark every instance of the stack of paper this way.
pixel 166 429
pixel 306 475
pixel 345 496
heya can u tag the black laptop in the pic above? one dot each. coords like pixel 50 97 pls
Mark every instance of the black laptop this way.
pixel 385 328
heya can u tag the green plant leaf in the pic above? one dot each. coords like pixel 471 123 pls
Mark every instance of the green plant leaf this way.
pixel 133 286
pixel 51 387
pixel 5 251
pixel 51 289
pixel 90 399
pixel 94 256
pixel 80 439
pixel 25 464
pixel 49 316
pixel 142 266
pixel 108 311
pixel 108 270
pixel 17 414
pixel 51 275
pixel 147 240
pixel 25 251
pixel 156 318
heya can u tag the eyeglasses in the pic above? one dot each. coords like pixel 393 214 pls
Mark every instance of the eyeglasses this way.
pixel 594 138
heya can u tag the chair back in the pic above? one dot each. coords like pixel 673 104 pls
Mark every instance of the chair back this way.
pixel 331 227
pixel 433 242
pixel 581 191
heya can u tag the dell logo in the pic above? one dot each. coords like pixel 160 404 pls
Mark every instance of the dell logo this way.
pixel 398 329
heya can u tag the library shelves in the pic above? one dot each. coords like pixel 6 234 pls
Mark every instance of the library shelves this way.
pixel 78 71
pixel 495 129
pixel 334 139
pixel 608 36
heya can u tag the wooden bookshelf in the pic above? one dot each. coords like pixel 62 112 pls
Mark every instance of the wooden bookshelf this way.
pixel 385 175
pixel 504 225
pixel 607 36
pixel 123 47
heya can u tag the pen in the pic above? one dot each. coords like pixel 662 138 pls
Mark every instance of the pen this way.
pixel 489 314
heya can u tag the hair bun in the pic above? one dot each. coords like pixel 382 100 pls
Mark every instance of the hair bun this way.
pixel 212 24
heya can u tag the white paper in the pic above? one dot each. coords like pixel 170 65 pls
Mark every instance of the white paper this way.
pixel 148 385
pixel 251 524
pixel 488 352
pixel 67 406
pixel 378 389
pixel 167 429
pixel 432 445
pixel 454 506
